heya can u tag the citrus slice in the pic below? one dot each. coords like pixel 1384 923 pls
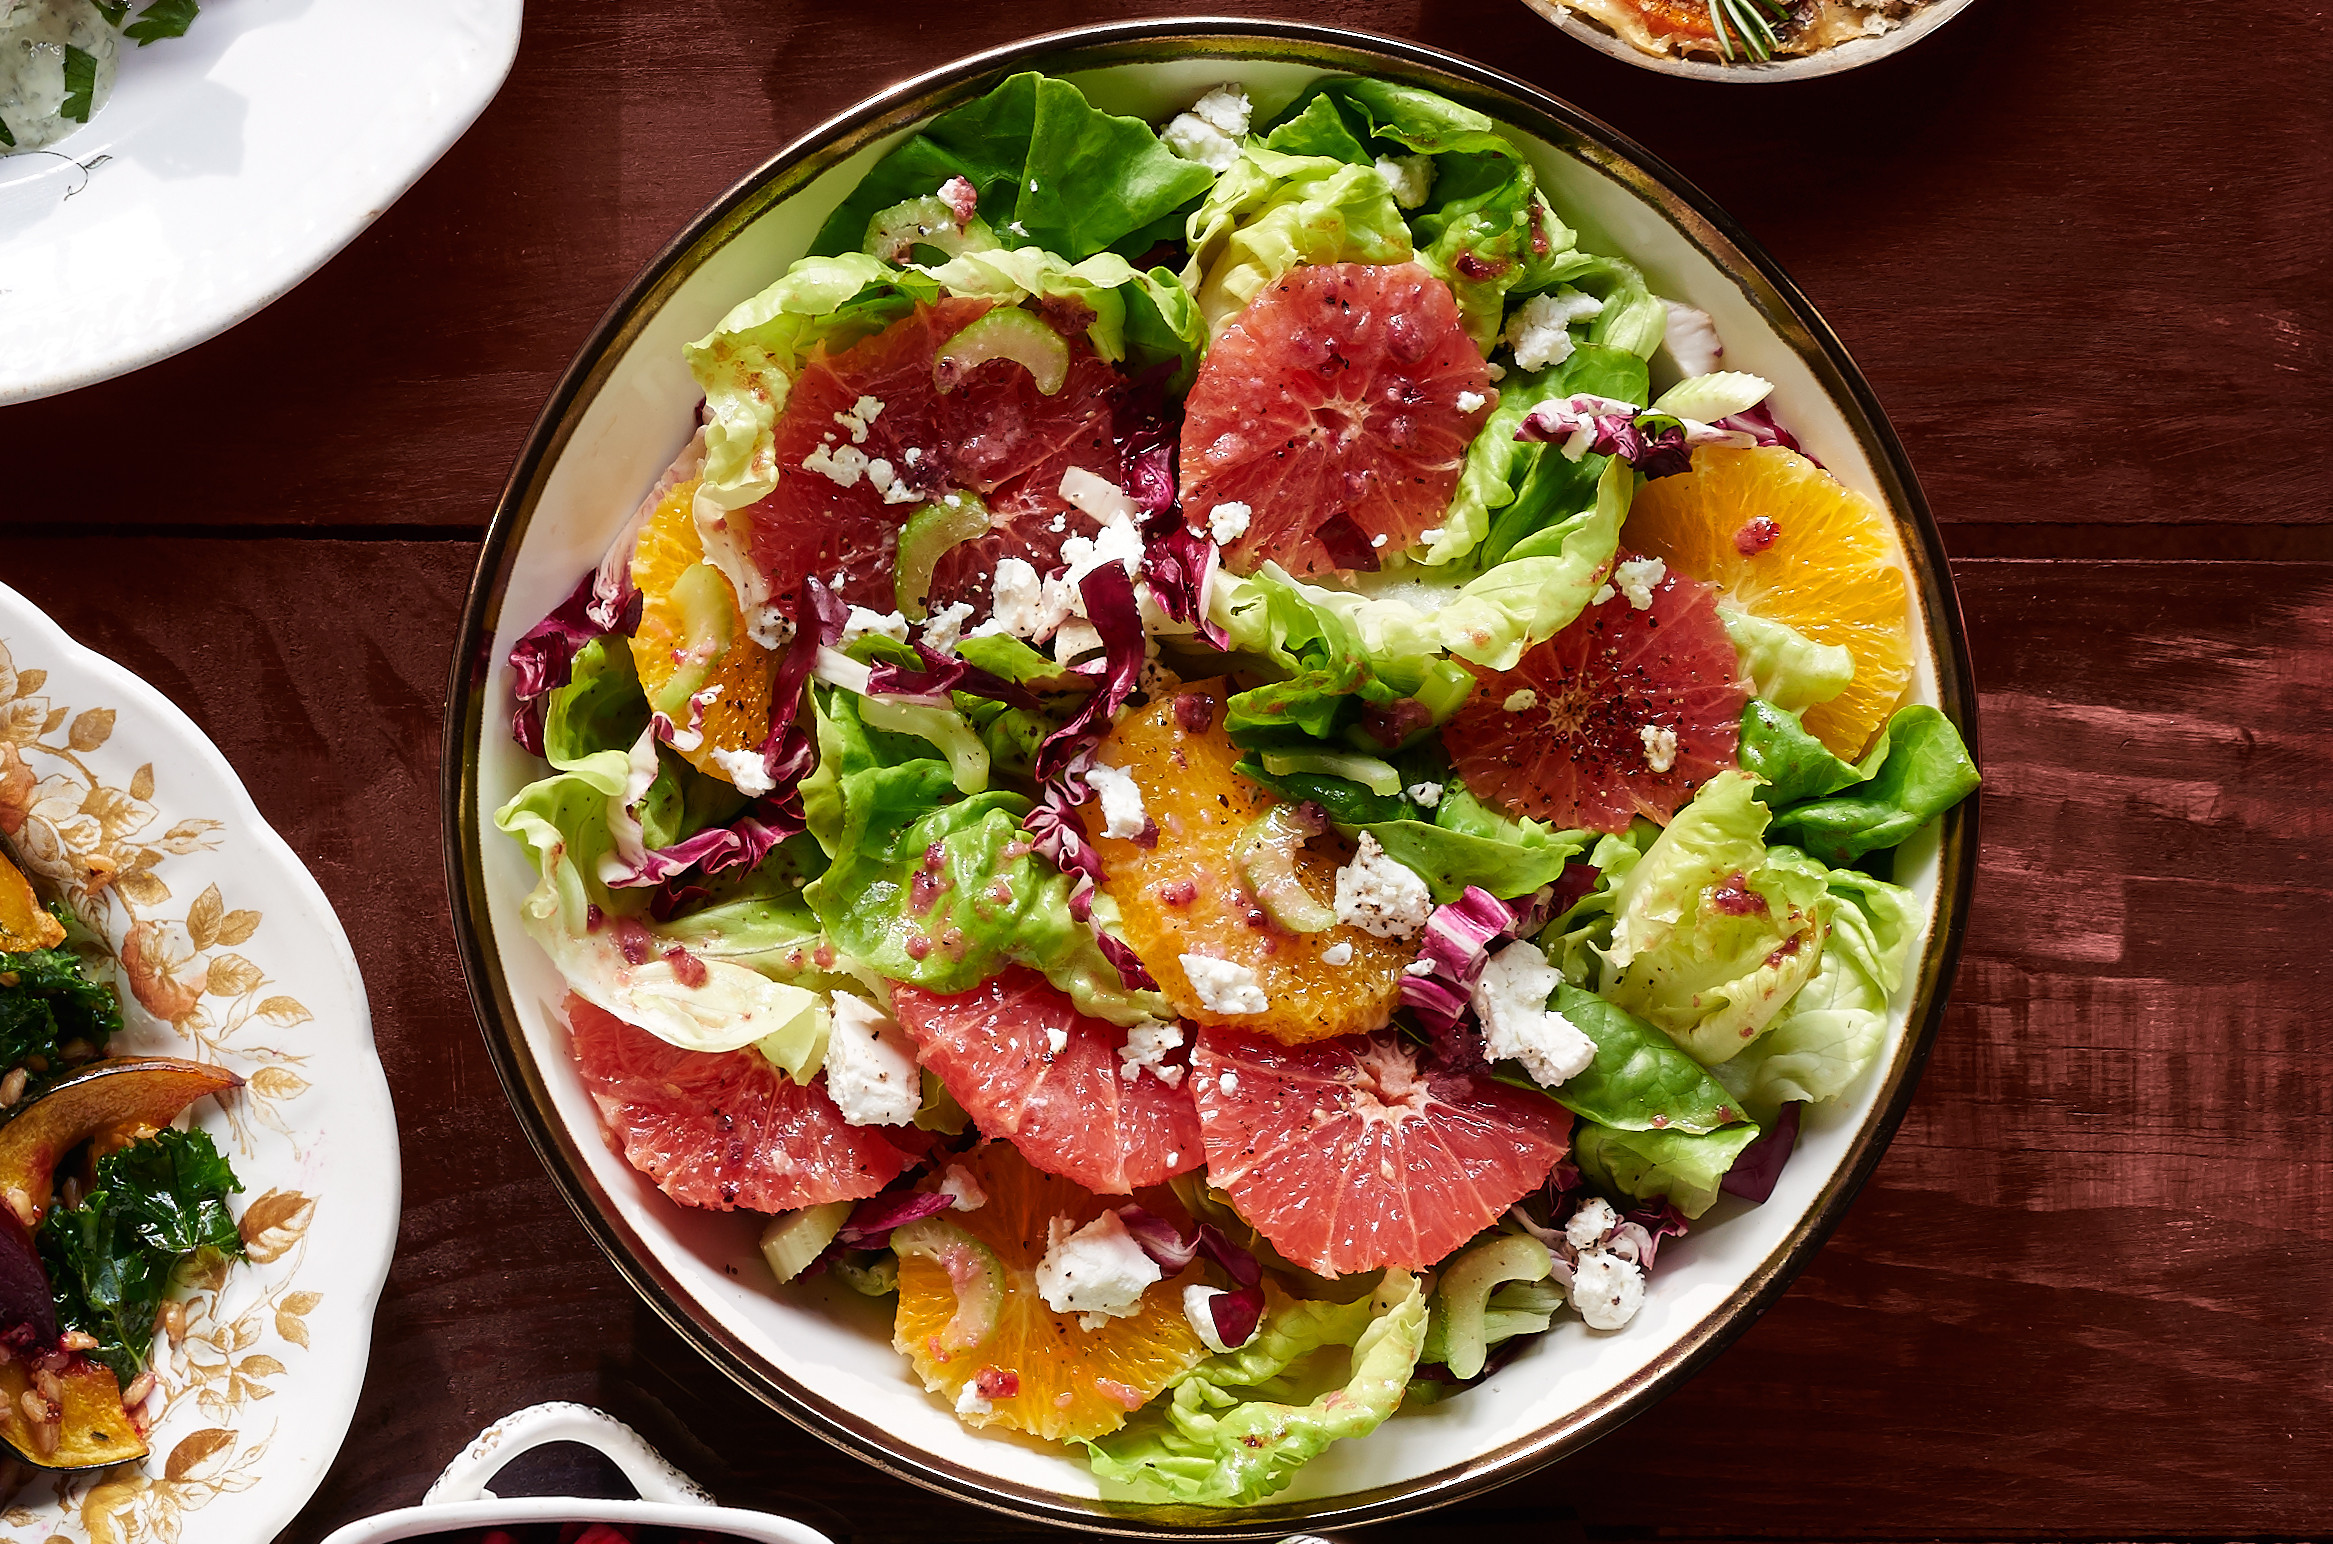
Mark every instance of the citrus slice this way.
pixel 1185 893
pixel 1783 539
pixel 691 637
pixel 970 1316
pixel 1621 714
pixel 867 436
pixel 725 1130
pixel 1069 1110
pixel 1349 1155
pixel 1337 407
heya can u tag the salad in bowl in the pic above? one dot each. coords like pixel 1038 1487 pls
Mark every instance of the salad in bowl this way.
pixel 1230 776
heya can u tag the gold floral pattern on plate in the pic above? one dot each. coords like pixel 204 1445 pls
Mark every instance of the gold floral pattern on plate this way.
pixel 186 920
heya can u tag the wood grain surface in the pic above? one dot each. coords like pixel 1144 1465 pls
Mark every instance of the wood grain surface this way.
pixel 2083 251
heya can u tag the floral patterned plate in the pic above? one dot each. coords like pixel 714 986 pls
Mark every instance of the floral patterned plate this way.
pixel 225 951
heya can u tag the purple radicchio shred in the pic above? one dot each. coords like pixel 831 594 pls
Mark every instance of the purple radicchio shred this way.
pixel 744 842
pixel 544 658
pixel 1111 607
pixel 1760 424
pixel 1456 942
pixel 1180 566
pixel 1396 723
pixel 1146 422
pixel 1236 1315
pixel 1754 1172
pixel 1059 837
pixel 945 673
pixel 1170 1251
pixel 1347 545
pixel 1651 1223
pixel 872 1220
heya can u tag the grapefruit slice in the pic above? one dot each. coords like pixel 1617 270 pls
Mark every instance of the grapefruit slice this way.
pixel 970 1315
pixel 1577 733
pixel 1185 894
pixel 993 427
pixel 1069 1111
pixel 724 1131
pixel 1348 1155
pixel 1331 408
pixel 1783 539
pixel 691 637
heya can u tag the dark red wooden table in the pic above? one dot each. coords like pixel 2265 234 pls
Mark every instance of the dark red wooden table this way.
pixel 2084 252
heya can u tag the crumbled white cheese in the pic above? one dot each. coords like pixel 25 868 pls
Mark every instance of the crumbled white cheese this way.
pixel 1122 813
pixel 946 628
pixel 1408 177
pixel 1228 522
pixel 1510 998
pixel 861 622
pixel 1337 954
pixel 842 465
pixel 959 1186
pixel 1224 987
pixel 970 1402
pixel 1468 401
pixel 1228 1083
pixel 746 770
pixel 1690 340
pixel 1195 139
pixel 1146 1047
pixel 887 481
pixel 1591 1223
pixel 1056 1040
pixel 1226 108
pixel 1604 592
pixel 1521 701
pixel 1638 578
pixel 1606 1289
pixel 913 454
pixel 1022 604
pixel 1660 746
pixel 1496 371
pixel 1099 497
pixel 1379 894
pixel 1540 330
pixel 1098 1271
pixel 1120 544
pixel 1196 1308
pixel 871 1073
pixel 1377 541
pixel 1425 795
pixel 1077 638
pixel 862 413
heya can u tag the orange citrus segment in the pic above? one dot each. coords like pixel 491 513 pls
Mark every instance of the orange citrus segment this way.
pixel 1067 1382
pixel 1185 895
pixel 1833 569
pixel 667 641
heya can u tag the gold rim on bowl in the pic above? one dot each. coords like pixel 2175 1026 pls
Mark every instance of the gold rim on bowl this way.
pixel 469 710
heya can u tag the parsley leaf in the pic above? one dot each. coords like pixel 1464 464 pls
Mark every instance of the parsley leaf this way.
pixel 113 11
pixel 48 1001
pixel 110 1258
pixel 162 19
pixel 6 138
pixel 80 84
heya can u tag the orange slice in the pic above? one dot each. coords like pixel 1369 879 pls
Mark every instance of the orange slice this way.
pixel 691 636
pixel 1186 894
pixel 1036 1370
pixel 1830 567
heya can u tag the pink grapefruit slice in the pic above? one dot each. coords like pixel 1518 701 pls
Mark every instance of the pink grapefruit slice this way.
pixel 1069 1110
pixel 1337 407
pixel 1623 713
pixel 725 1131
pixel 1350 1155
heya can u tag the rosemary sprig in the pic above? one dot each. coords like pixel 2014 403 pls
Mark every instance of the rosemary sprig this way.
pixel 1750 18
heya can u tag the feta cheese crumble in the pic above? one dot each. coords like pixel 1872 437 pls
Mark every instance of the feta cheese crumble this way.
pixel 861 622
pixel 842 465
pixel 1056 1039
pixel 1123 816
pixel 1022 604
pixel 1228 1082
pixel 1198 1309
pixel 1224 987
pixel 1211 131
pixel 1146 1048
pixel 970 1402
pixel 862 413
pixel 1378 894
pixel 748 773
pixel 1521 702
pixel 1228 522
pixel 959 1186
pixel 946 628
pixel 1589 1225
pixel 1097 1272
pixel 1540 330
pixel 1606 1289
pixel 1468 401
pixel 1425 795
pixel 1638 578
pixel 1660 746
pixel 871 1073
pixel 888 482
pixel 1408 177
pixel 1077 638
pixel 1510 998
pixel 1337 954
pixel 1604 592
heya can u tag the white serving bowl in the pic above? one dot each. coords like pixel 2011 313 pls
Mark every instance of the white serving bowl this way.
pixel 1850 55
pixel 823 1356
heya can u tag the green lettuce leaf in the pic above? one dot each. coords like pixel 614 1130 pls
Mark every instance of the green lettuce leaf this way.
pixel 1791 765
pixel 1271 212
pixel 1237 1427
pixel 1785 666
pixel 1684 1168
pixel 1713 977
pixel 1923 769
pixel 1048 167
pixel 1640 1080
pixel 1574 941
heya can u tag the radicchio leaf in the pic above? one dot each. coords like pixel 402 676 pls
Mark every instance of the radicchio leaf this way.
pixel 543 659
pixel 1347 545
pixel 1111 607
pixel 1059 837
pixel 1236 1314
pixel 945 673
pixel 744 842
pixel 1647 1226
pixel 872 1220
pixel 1180 566
pixel 1760 1164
